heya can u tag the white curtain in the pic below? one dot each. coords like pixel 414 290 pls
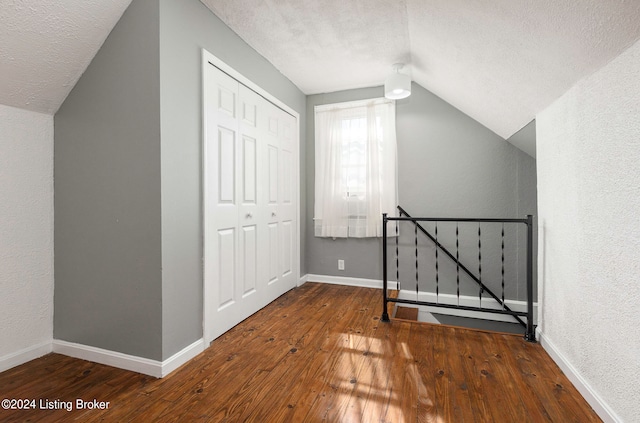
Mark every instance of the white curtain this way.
pixel 356 178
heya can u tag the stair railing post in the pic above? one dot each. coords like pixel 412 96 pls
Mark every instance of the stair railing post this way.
pixel 385 313
pixel 530 335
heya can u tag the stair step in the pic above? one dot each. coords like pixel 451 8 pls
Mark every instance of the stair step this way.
pixel 406 313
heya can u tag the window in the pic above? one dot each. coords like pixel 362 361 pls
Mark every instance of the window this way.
pixel 355 145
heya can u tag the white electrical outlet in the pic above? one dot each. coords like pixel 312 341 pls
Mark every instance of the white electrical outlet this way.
pixel 340 264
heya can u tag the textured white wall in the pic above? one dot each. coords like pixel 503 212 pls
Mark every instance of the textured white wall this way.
pixel 588 149
pixel 26 230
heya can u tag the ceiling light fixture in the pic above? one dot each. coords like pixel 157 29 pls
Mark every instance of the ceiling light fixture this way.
pixel 397 85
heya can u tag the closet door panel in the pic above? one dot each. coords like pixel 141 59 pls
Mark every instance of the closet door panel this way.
pixel 249 171
pixel 249 259
pixel 287 248
pixel 272 253
pixel 272 184
pixel 226 267
pixel 287 177
pixel 226 166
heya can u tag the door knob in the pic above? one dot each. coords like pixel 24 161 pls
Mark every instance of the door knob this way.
pixel 248 216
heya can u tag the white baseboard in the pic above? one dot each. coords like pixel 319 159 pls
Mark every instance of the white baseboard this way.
pixel 182 357
pixel 109 358
pixel 27 354
pixel 431 297
pixel 145 366
pixel 343 280
pixel 303 280
pixel 590 395
pixel 469 301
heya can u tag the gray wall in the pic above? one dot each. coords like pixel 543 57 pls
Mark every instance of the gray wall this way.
pixel 525 139
pixel 128 162
pixel 185 28
pixel 361 255
pixel 449 165
pixel 107 195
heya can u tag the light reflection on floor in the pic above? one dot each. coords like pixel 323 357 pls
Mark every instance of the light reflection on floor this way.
pixel 368 394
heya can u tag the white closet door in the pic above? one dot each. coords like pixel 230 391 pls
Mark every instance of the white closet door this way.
pixel 222 162
pixel 286 209
pixel 280 200
pixel 250 224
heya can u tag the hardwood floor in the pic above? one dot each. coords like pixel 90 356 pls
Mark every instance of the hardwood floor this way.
pixel 318 353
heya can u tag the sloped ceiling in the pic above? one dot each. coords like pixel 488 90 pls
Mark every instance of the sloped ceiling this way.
pixel 45 46
pixel 498 61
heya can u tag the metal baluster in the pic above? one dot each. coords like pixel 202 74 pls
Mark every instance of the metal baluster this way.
pixel 437 276
pixel 385 302
pixel 502 265
pixel 416 243
pixel 397 258
pixel 480 263
pixel 457 265
pixel 531 334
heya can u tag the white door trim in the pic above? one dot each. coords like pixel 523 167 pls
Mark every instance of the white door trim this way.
pixel 209 59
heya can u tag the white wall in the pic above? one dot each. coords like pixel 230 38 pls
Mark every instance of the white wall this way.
pixel 26 235
pixel 588 150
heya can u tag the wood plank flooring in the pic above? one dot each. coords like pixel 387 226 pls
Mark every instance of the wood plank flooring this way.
pixel 317 354
pixel 406 313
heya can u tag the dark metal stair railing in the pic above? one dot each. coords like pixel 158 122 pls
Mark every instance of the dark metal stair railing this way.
pixel 478 281
pixel 530 330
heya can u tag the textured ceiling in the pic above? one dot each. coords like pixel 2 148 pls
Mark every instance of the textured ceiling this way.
pixel 499 61
pixel 45 45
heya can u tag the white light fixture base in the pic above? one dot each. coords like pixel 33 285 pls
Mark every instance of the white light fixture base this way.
pixel 397 85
